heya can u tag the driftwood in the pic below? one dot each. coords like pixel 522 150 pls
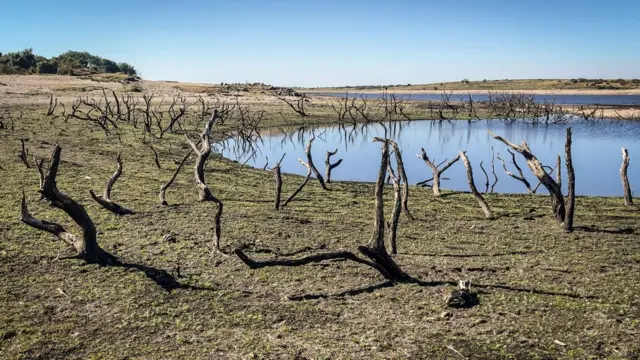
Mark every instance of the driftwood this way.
pixel 105 201
pixel 628 199
pixel 204 193
pixel 437 170
pixel 539 171
pixel 328 166
pixel 571 184
pixel 278 178
pixel 163 188
pixel 483 204
pixel 87 247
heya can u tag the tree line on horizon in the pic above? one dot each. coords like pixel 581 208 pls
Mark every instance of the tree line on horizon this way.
pixel 67 63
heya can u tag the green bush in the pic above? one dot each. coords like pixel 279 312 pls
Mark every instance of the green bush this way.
pixel 47 67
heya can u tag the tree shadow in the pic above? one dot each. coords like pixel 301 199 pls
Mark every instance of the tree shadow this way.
pixel 161 277
pixel 509 253
pixel 594 229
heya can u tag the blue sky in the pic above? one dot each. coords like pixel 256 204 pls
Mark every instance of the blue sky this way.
pixel 327 42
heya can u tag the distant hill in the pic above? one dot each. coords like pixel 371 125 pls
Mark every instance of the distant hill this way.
pixel 68 63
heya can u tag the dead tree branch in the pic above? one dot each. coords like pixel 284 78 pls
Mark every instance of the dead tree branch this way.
pixel 24 154
pixel 539 171
pixel 163 188
pixel 86 246
pixel 402 178
pixel 628 199
pixel 437 171
pixel 278 178
pixel 571 184
pixel 328 166
pixel 105 201
pixel 520 177
pixel 483 204
pixel 298 107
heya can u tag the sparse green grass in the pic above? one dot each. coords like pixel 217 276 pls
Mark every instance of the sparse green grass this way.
pixel 64 309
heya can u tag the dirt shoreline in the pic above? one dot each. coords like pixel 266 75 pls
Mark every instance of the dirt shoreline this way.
pixel 534 92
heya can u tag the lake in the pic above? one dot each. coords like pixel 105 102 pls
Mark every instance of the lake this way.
pixel 596 151
pixel 558 99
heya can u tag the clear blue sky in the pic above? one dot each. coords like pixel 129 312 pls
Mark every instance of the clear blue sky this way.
pixel 327 42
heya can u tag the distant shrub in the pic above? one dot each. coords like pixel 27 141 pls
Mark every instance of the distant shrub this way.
pixel 466 81
pixel 484 81
pixel 127 68
pixel 47 67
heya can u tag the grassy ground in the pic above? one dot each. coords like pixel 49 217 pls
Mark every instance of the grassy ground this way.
pixel 543 293
pixel 507 85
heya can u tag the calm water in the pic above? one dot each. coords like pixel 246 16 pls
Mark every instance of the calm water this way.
pixel 559 99
pixel 596 151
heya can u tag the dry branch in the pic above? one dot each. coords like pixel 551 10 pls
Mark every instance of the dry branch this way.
pixel 278 178
pixel 86 246
pixel 628 199
pixel 328 166
pixel 539 171
pixel 163 188
pixel 24 154
pixel 520 177
pixel 483 204
pixel 105 201
pixel 403 180
pixel 437 171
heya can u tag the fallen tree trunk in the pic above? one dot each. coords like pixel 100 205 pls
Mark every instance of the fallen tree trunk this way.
pixel 628 199
pixel 87 247
pixel 163 188
pixel 483 204
pixel 571 184
pixel 557 199
pixel 105 201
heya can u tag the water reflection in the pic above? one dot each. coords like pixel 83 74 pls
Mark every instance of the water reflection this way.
pixel 596 150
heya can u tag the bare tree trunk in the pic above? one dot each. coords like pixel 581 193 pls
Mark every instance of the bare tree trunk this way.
pixel 328 166
pixel 40 173
pixel 520 177
pixel 486 176
pixel 106 202
pixel 435 169
pixel 163 188
pixel 87 246
pixel 397 208
pixel 557 199
pixel 404 182
pixel 559 171
pixel 483 204
pixel 628 200
pixel 571 184
pixel 278 177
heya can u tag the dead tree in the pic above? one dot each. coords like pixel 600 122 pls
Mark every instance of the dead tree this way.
pixel 204 193
pixel 483 204
pixel 493 170
pixel 310 169
pixel 105 201
pixel 298 107
pixel 559 171
pixel 163 188
pixel 402 178
pixel 571 184
pixel 302 185
pixel 437 170
pixel 628 199
pixel 86 246
pixel 376 252
pixel 39 165
pixel 520 177
pixel 486 177
pixel 52 105
pixel 149 143
pixel 328 166
pixel 278 178
pixel 539 171
pixel 24 154
pixel 397 208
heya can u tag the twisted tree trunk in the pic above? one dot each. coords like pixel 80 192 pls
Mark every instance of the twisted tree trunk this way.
pixel 628 200
pixel 86 246
pixel 328 166
pixel 105 201
pixel 483 204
